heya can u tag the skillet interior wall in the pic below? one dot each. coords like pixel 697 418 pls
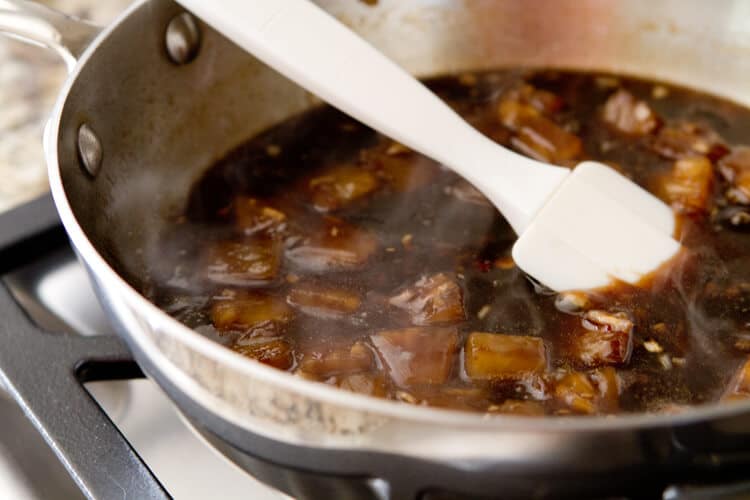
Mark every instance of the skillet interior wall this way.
pixel 162 125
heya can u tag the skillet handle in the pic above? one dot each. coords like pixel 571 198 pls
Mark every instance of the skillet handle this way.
pixel 40 25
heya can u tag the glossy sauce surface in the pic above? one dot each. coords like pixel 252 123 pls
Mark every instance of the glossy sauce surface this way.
pixel 325 249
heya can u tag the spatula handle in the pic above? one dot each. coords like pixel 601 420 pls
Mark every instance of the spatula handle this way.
pixel 309 46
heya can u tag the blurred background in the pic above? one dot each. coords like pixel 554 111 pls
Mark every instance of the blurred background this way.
pixel 30 79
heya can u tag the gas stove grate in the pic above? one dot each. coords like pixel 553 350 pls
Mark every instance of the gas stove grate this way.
pixel 45 373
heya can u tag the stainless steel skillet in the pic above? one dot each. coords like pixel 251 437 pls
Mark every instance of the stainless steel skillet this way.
pixel 155 98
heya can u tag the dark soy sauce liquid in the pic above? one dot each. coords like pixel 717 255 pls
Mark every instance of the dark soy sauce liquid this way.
pixel 697 310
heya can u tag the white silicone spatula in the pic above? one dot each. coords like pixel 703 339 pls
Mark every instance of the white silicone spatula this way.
pixel 577 229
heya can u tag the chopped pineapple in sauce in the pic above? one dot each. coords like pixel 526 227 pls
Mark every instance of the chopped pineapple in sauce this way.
pixel 324 302
pixel 250 312
pixel 432 300
pixel 496 356
pixel 341 185
pixel 346 258
pixel 417 356
pixel 629 115
pixel 336 246
pixel 243 263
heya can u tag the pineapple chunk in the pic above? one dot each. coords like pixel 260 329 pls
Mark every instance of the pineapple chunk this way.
pixel 596 392
pixel 542 100
pixel 416 356
pixel 496 356
pixel 686 140
pixel 544 140
pixel 432 300
pixel 254 217
pixel 572 302
pixel 358 358
pixel 524 102
pixel 606 321
pixel 689 187
pixel 609 385
pixel 523 111
pixel 606 339
pixel 340 185
pixel 248 263
pixel 629 115
pixel 277 353
pixel 336 246
pixel 255 314
pixel 514 114
pixel 323 302
pixel 576 392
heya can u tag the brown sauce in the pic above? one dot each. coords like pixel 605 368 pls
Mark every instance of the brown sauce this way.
pixel 323 248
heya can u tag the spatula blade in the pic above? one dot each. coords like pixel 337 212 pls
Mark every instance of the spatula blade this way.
pixel 598 226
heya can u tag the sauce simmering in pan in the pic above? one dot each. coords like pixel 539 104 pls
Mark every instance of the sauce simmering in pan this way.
pixel 325 249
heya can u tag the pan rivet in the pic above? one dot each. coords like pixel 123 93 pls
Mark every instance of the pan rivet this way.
pixel 183 39
pixel 89 150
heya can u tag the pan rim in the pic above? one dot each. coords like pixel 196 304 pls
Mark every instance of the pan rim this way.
pixel 458 420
